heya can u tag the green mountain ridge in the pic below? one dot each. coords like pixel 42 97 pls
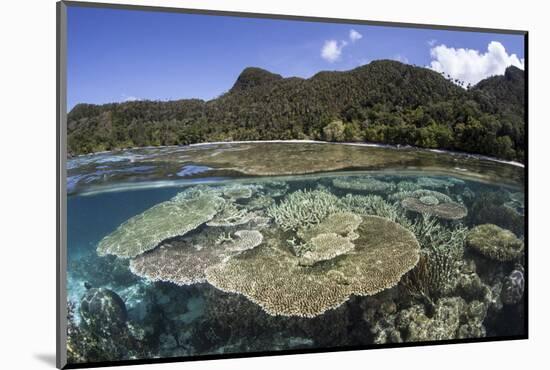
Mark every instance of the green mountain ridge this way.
pixel 384 101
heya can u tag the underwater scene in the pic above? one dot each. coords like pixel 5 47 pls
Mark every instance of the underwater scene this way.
pixel 251 247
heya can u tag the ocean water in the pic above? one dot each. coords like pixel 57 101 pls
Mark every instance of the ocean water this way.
pixel 252 257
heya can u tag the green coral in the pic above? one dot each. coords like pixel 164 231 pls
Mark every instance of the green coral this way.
pixel 175 217
pixel 495 242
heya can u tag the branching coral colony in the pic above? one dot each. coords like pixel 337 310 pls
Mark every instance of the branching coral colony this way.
pixel 310 250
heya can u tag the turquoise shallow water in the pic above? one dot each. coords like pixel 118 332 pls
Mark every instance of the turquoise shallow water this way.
pixel 162 318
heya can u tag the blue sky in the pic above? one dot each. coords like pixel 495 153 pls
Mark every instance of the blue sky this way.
pixel 119 55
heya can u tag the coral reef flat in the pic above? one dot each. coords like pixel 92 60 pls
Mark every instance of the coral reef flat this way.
pixel 246 247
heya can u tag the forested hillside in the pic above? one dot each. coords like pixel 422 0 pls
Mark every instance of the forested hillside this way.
pixel 384 101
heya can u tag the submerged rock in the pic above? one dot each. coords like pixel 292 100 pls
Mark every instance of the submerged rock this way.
pixel 103 311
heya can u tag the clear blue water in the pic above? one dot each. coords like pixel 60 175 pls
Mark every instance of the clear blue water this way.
pixel 165 319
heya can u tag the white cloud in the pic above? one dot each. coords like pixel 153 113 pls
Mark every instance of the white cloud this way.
pixel 470 65
pixel 332 50
pixel 401 58
pixel 432 42
pixel 354 35
pixel 127 98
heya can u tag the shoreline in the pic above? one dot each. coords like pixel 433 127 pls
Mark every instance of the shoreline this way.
pixel 363 144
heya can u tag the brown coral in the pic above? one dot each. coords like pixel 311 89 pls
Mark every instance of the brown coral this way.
pixel 272 277
pixel 434 203
pixel 184 261
pixel 495 242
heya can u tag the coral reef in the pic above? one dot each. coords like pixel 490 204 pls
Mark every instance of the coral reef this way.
pixel 438 183
pixel 341 223
pixel 238 191
pixel 374 205
pixel 362 183
pixel 272 277
pixel 103 334
pixel 432 234
pixel 516 203
pixel 452 318
pixel 435 275
pixel 494 242
pixel 488 208
pixel 165 220
pixel 102 310
pixel 402 186
pixel 433 203
pixel 258 202
pixel 184 261
pixel 230 215
pixel 275 189
pixel 513 287
pixel 303 208
pixel 324 247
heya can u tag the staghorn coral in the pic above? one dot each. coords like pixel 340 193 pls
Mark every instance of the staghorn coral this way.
pixel 230 215
pixel 435 275
pixel 168 219
pixel 324 247
pixel 272 277
pixel 433 203
pixel 494 242
pixel 362 183
pixel 184 261
pixel 374 205
pixel 303 208
pixel 430 233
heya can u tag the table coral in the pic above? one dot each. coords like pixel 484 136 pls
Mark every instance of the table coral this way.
pixel 272 276
pixel 165 220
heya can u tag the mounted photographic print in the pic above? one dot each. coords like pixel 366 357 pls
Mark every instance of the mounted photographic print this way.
pixel 235 184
